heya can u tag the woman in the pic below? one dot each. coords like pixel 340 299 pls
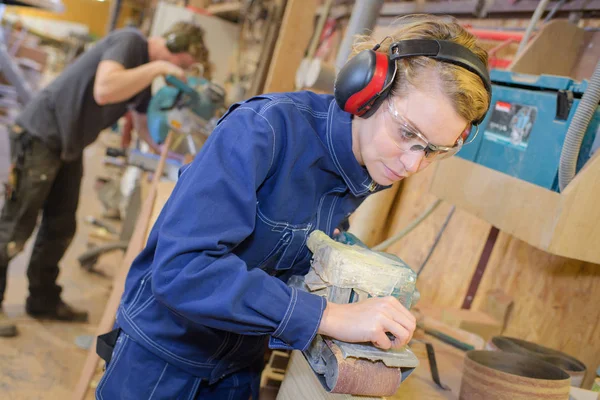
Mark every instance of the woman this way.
pixel 209 289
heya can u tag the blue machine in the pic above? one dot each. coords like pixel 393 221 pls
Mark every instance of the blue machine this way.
pixel 198 96
pixel 524 131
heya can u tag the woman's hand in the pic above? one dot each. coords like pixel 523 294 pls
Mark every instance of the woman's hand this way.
pixel 369 321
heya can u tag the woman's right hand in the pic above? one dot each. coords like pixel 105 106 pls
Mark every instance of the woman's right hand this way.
pixel 369 321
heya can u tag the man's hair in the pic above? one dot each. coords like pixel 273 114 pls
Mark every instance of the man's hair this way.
pixel 188 37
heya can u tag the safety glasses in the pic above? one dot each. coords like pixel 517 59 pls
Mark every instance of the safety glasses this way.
pixel 408 138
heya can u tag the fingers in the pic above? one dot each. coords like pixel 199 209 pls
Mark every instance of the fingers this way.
pixel 401 334
pixel 407 323
pixel 381 340
pixel 398 306
pixel 399 313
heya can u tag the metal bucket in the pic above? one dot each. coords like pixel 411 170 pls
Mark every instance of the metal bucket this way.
pixel 572 366
pixel 497 375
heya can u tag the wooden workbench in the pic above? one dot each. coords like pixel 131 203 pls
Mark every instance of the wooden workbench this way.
pixel 300 382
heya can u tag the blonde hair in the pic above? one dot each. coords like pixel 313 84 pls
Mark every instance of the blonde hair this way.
pixel 464 88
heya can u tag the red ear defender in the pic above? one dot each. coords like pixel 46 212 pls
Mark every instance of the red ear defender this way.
pixel 362 84
pixel 366 79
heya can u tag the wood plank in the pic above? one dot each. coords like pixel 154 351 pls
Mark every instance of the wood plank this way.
pixel 163 192
pixel 294 36
pixel 451 332
pixel 473 321
pixel 512 205
pixel 588 56
pixel 556 37
pixel 136 244
pixel 577 231
pixel 563 224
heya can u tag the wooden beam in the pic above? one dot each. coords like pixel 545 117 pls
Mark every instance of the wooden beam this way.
pixel 294 36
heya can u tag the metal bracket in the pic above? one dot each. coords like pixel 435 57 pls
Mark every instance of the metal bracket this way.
pixel 435 375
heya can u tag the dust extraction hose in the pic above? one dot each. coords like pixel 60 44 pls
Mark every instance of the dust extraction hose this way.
pixel 388 242
pixel 576 132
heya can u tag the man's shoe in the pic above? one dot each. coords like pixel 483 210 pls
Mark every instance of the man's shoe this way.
pixel 61 312
pixel 7 328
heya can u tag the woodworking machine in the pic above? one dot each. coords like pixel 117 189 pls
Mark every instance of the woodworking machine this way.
pixel 185 107
pixel 525 131
pixel 345 271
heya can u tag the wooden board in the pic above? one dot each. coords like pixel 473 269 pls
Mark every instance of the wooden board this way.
pixel 589 53
pixel 562 224
pixel 577 230
pixel 293 39
pixel 163 192
pixel 464 323
pixel 136 244
pixel 558 37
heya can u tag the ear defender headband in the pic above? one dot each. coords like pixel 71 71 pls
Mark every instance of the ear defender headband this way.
pixel 366 79
pixel 177 42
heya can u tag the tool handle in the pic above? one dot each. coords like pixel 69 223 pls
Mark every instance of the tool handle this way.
pixel 179 84
pixel 449 340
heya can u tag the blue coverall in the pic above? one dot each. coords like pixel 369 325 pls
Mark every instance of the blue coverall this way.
pixel 209 289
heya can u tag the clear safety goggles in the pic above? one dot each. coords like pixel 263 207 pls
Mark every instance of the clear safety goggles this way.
pixel 408 138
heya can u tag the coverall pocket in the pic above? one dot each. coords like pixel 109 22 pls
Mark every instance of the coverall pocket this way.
pixel 136 373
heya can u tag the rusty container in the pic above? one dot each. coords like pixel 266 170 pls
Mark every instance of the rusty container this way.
pixel 498 375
